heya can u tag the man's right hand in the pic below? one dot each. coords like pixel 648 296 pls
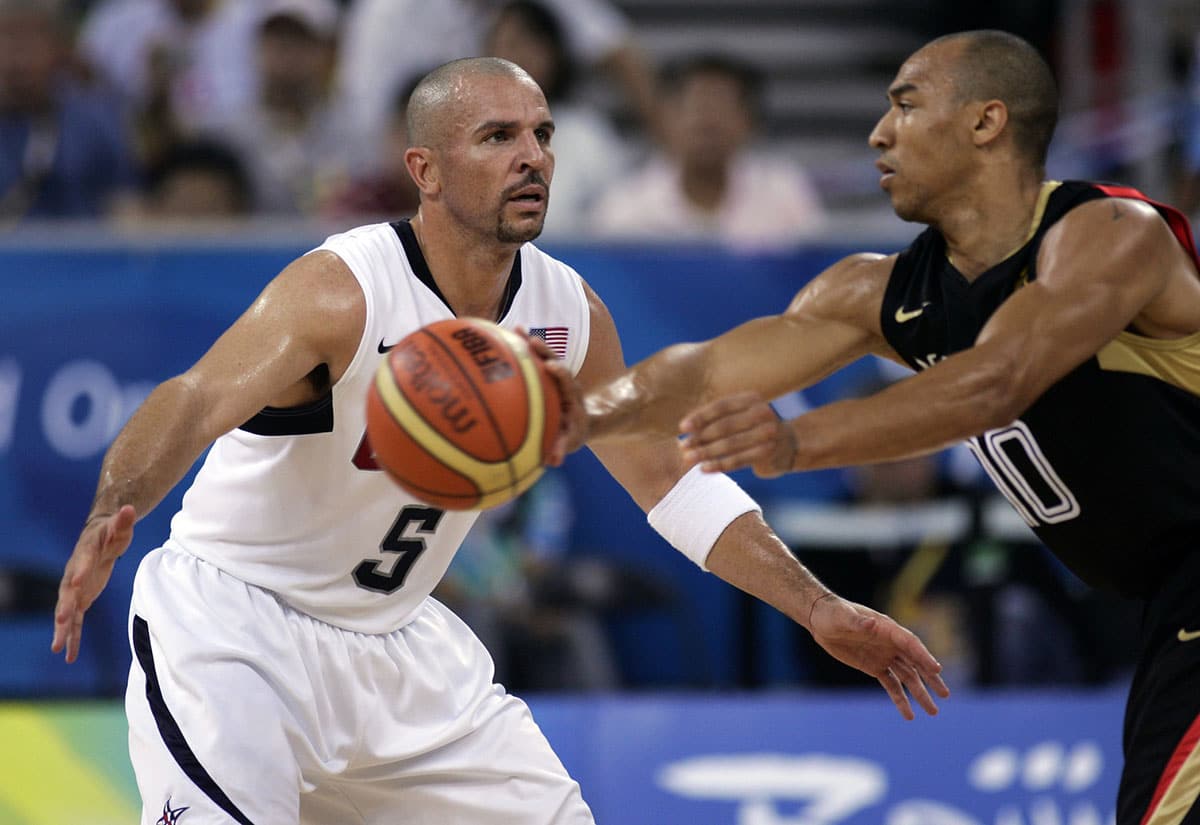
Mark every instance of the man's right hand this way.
pixel 738 431
pixel 103 540
pixel 573 426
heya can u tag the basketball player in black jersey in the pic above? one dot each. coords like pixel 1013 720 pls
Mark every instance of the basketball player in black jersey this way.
pixel 1054 326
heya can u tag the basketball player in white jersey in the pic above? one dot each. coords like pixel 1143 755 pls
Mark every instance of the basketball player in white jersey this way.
pixel 289 663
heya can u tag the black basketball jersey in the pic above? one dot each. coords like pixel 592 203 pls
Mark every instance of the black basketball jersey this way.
pixel 1105 466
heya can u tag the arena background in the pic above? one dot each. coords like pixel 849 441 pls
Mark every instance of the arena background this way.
pixel 92 317
pixel 89 325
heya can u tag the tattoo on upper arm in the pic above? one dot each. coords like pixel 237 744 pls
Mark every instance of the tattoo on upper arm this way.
pixel 1117 212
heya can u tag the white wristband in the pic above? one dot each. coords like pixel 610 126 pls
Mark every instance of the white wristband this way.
pixel 694 513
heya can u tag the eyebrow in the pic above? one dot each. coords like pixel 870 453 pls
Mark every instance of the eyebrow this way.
pixel 509 125
pixel 901 89
pixel 493 125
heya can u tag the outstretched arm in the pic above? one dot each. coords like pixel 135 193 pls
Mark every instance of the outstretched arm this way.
pixel 312 313
pixel 746 553
pixel 831 322
pixel 1086 293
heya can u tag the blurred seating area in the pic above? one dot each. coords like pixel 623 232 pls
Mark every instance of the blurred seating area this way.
pixel 98 97
pixel 161 159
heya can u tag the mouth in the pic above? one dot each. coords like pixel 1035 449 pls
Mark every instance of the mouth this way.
pixel 532 196
pixel 886 173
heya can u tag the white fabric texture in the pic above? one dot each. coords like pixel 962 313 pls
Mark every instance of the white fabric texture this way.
pixel 293 720
pixel 695 512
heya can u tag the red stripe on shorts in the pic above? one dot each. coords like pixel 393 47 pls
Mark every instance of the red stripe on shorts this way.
pixel 1184 764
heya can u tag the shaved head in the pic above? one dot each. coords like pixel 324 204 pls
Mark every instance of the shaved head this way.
pixel 996 65
pixel 434 99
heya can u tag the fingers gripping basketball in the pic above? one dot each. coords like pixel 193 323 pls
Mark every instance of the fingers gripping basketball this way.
pixel 462 414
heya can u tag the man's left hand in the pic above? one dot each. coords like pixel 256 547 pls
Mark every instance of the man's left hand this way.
pixel 871 642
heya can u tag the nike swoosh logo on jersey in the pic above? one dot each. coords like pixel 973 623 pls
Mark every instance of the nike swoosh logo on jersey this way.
pixel 1188 635
pixel 903 316
pixel 384 347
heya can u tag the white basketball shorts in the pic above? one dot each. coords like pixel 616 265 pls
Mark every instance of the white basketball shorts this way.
pixel 244 710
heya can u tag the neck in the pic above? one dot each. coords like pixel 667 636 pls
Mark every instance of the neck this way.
pixel 990 223
pixel 471 273
pixel 704 186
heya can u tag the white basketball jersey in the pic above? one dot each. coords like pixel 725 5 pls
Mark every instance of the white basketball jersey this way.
pixel 291 501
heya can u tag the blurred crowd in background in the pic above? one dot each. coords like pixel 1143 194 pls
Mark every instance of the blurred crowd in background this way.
pixel 744 122
pixel 149 111
pixel 740 123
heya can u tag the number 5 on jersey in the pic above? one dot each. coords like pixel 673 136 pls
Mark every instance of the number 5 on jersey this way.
pixel 370 573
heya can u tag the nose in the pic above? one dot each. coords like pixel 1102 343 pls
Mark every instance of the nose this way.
pixel 533 153
pixel 881 135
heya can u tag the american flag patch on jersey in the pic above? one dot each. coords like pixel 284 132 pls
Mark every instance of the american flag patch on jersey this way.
pixel 555 338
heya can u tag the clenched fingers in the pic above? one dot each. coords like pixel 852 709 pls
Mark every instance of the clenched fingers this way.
pixel 539 346
pixel 735 432
pixel 718 418
pixel 746 449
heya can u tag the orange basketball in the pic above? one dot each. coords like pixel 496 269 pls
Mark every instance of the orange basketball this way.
pixel 462 414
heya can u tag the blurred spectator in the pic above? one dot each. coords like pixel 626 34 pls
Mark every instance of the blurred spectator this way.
pixel 389 41
pixel 712 185
pixel 63 152
pixel 510 582
pixel 297 142
pixel 388 191
pixel 179 65
pixel 195 181
pixel 588 152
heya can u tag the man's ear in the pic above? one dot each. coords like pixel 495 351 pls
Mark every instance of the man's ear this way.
pixel 422 169
pixel 990 119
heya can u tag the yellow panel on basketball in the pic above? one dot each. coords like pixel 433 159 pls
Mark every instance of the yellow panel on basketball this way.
pixel 462 413
pixel 413 467
pixel 439 442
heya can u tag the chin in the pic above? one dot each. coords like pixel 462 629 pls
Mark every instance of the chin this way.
pixel 520 231
pixel 907 211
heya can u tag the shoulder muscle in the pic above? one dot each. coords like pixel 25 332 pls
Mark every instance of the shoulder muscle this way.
pixel 311 313
pixel 849 293
pixel 1117 244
